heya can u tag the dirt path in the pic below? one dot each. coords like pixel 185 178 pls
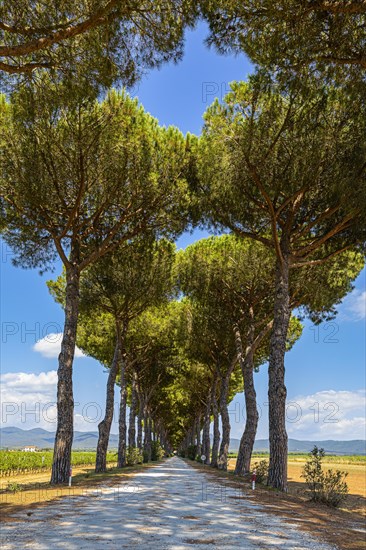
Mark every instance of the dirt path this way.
pixel 170 506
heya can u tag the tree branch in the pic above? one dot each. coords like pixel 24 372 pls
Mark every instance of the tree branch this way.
pixel 350 7
pixel 96 19
pixel 321 260
pixel 25 68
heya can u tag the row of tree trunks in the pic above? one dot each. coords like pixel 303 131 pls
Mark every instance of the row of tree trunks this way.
pixel 122 431
pixel 104 426
pixel 147 434
pixel 216 429
pixel 206 444
pixel 198 443
pixel 140 418
pixel 133 412
pixel 192 435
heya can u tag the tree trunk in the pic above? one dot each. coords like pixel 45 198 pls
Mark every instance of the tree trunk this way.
pixel 122 418
pixel 216 430
pixel 225 424
pixel 153 434
pixel 198 428
pixel 277 476
pixel 65 401
pixel 147 435
pixel 140 417
pixel 192 434
pixel 206 430
pixel 149 445
pixel 251 423
pixel 162 439
pixel 104 427
pixel 133 411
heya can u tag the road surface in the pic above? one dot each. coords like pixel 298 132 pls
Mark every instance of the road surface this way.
pixel 169 506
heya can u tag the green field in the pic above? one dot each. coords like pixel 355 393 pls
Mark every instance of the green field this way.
pixel 20 462
pixel 301 457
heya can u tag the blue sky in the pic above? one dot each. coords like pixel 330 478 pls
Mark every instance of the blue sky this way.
pixel 325 371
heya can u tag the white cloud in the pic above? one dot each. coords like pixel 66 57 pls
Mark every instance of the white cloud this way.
pixel 28 399
pixel 353 307
pixel 50 346
pixel 43 382
pixel 327 414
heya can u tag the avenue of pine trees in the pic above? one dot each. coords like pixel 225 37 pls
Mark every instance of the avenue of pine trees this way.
pixel 90 178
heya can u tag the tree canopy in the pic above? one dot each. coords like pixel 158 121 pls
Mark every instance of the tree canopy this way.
pixel 95 172
pixel 322 38
pixel 92 43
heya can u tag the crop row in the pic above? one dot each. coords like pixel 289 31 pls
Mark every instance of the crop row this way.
pixel 12 462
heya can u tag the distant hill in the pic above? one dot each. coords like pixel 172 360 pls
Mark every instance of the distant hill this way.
pixel 16 438
pixel 353 447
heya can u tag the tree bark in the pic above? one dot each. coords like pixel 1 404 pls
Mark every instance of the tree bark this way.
pixel 140 417
pixel 104 427
pixel 122 417
pixel 216 430
pixel 147 434
pixel 198 430
pixel 225 425
pixel 153 434
pixel 192 434
pixel 251 423
pixel 206 430
pixel 277 476
pixel 133 411
pixel 65 400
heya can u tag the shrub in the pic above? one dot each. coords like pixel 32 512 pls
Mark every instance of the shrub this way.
pixel 328 487
pixel 262 470
pixel 157 451
pixel 335 488
pixel 133 456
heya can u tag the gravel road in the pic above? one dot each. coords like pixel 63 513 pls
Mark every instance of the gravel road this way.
pixel 169 506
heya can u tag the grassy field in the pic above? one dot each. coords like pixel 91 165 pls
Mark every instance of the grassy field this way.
pixel 302 457
pixel 355 466
pixel 13 463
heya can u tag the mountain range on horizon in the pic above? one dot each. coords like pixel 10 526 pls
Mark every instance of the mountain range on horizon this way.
pixel 16 438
